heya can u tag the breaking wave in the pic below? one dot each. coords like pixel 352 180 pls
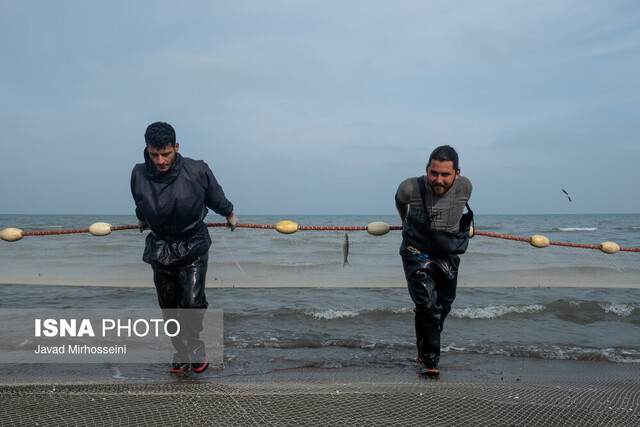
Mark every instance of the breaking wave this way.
pixel 494 311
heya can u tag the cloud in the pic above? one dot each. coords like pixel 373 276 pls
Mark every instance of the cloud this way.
pixel 321 106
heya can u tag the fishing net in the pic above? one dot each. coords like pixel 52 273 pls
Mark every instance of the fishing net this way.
pixel 347 397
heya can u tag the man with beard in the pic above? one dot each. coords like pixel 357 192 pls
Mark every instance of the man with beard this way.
pixel 435 231
pixel 172 194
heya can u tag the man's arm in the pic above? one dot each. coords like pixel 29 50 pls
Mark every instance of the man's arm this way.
pixel 142 224
pixel 403 210
pixel 401 198
pixel 215 198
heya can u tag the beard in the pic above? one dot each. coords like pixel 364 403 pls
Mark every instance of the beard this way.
pixel 440 189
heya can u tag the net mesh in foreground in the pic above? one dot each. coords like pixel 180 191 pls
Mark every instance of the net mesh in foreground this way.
pixel 334 397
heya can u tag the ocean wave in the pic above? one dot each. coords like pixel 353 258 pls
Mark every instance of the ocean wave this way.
pixel 627 228
pixel 289 344
pixel 552 352
pixel 584 312
pixel 621 309
pixel 332 314
pixel 350 350
pixel 571 229
pixel 323 342
pixel 297 315
pixel 337 313
pixel 494 311
pixel 579 353
pixel 575 311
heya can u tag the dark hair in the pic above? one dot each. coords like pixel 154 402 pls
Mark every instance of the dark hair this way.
pixel 445 153
pixel 159 135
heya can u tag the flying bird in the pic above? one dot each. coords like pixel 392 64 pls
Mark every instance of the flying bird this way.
pixel 566 194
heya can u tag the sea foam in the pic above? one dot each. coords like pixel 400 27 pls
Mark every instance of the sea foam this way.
pixel 332 314
pixel 494 311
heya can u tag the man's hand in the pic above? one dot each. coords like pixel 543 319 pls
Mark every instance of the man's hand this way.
pixel 142 226
pixel 232 220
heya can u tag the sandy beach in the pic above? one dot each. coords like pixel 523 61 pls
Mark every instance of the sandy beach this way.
pixel 472 390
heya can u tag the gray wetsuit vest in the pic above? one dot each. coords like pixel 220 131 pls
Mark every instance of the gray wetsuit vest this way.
pixel 436 225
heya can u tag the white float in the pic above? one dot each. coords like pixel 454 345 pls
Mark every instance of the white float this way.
pixel 11 234
pixel 100 229
pixel 610 247
pixel 378 228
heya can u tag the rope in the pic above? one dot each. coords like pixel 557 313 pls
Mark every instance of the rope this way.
pixel 502 236
pixel 74 231
pixel 301 227
pixel 528 239
pixel 49 233
pixel 321 228
pixel 124 227
pixel 239 225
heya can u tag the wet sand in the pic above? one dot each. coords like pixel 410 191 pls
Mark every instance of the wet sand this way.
pixel 472 390
pixel 252 283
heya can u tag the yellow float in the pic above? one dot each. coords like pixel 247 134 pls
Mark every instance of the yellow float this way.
pixel 539 241
pixel 287 227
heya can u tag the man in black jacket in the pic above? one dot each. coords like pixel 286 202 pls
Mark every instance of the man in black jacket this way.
pixel 435 231
pixel 172 194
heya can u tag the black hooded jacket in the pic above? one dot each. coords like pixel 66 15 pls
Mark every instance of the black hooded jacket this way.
pixel 174 205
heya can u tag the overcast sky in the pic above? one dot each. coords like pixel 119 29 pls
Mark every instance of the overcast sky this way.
pixel 323 107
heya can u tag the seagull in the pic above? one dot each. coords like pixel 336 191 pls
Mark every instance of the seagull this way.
pixel 566 194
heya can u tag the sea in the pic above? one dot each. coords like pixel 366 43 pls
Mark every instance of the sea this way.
pixel 289 301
